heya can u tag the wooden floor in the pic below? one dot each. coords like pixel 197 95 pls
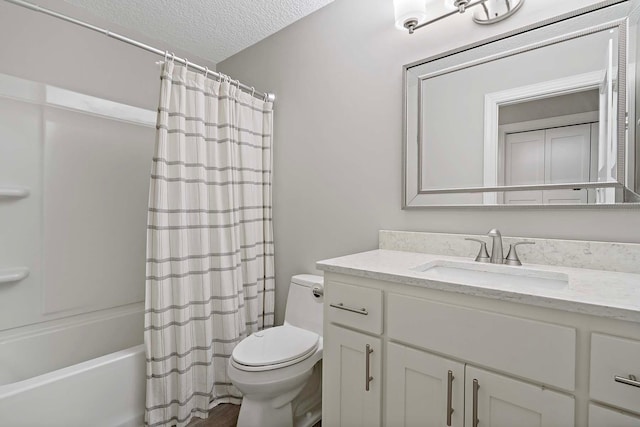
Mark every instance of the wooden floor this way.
pixel 224 415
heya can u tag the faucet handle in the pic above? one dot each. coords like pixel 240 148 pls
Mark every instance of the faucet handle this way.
pixel 483 255
pixel 512 255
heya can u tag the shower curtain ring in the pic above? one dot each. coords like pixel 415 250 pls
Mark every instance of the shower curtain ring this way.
pixel 186 63
pixel 206 71
pixel 253 91
pixel 173 57
pixel 166 55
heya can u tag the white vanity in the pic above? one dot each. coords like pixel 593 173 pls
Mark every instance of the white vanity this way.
pixel 435 339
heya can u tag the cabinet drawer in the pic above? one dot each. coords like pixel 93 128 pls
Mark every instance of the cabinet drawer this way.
pixel 611 357
pixel 354 306
pixel 539 351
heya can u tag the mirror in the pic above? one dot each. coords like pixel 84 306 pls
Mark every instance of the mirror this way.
pixel 535 117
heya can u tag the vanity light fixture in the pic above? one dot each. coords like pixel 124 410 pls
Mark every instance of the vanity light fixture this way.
pixel 412 14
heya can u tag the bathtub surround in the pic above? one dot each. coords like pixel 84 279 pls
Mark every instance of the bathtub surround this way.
pixel 339 178
pixel 66 155
pixel 210 278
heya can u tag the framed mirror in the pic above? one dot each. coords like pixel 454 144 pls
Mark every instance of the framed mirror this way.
pixel 535 117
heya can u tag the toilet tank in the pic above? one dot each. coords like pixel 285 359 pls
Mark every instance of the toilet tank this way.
pixel 304 310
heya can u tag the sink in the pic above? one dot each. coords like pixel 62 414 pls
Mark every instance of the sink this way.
pixel 484 274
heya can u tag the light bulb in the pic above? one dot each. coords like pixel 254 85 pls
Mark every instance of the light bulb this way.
pixel 407 10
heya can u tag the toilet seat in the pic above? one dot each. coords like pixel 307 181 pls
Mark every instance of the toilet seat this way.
pixel 274 348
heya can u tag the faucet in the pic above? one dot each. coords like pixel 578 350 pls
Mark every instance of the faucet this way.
pixel 497 256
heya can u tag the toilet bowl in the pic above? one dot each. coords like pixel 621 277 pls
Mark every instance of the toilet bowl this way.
pixel 279 370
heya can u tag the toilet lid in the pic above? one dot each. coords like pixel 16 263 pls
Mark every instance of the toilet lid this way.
pixel 275 346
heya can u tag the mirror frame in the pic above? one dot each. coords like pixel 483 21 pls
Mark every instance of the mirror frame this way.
pixel 411 168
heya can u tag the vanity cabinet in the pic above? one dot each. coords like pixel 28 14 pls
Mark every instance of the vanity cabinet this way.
pixel 437 358
pixel 613 360
pixel 353 323
pixel 353 391
pixel 493 400
pixel 539 351
pixel 606 417
pixel 423 389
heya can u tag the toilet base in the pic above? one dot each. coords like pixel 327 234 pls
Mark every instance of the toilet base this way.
pixel 257 413
pixel 303 407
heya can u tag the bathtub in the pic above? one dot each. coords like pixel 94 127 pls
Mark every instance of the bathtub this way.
pixel 79 380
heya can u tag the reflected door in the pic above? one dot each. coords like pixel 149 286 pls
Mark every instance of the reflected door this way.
pixel 524 165
pixel 549 156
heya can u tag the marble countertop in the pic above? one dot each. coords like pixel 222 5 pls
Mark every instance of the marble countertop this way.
pixel 594 292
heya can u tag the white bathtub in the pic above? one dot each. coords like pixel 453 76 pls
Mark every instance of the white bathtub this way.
pixel 59 375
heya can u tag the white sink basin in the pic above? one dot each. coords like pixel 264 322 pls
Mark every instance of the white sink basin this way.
pixel 484 274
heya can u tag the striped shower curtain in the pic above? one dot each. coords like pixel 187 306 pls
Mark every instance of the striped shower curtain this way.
pixel 210 273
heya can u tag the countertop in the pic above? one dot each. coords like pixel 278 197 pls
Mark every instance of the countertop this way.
pixel 594 292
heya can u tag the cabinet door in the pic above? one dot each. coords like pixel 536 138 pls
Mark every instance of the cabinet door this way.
pixel 567 154
pixel 604 417
pixel 524 164
pixel 567 159
pixel 420 390
pixel 505 402
pixel 346 400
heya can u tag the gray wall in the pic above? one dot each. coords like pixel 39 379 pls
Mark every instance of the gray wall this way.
pixel 575 103
pixel 337 75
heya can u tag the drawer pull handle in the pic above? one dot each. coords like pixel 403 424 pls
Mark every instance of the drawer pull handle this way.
pixel 475 420
pixel 341 306
pixel 367 373
pixel 632 380
pixel 450 378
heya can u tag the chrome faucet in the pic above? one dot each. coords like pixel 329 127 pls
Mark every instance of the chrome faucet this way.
pixel 497 256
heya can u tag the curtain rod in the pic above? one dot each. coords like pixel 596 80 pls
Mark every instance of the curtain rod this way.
pixel 266 96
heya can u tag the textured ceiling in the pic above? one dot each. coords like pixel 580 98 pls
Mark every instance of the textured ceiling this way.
pixel 211 29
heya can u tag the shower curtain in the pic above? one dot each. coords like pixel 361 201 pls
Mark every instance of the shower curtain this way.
pixel 210 272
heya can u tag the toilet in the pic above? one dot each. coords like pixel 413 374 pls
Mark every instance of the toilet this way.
pixel 279 370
